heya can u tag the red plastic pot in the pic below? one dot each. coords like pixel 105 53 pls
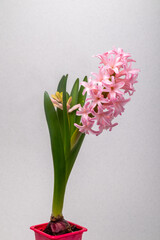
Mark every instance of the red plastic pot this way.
pixel 40 235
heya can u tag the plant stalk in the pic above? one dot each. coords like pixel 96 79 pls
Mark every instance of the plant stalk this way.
pixel 58 198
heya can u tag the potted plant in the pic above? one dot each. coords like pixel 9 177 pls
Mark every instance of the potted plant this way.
pixel 71 116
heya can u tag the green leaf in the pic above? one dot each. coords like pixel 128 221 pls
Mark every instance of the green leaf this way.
pixel 81 99
pixel 60 118
pixel 62 84
pixel 57 153
pixel 74 95
pixel 75 137
pixel 65 122
pixel 74 92
pixel 54 130
pixel 60 88
pixel 73 155
pixel 67 96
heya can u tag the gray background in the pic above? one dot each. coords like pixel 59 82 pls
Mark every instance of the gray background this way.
pixel 114 189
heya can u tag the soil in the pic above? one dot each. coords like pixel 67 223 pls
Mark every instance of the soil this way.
pixel 69 229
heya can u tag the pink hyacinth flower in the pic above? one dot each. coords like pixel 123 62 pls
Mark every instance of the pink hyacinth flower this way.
pixel 118 105
pixel 84 111
pixel 88 86
pixel 106 90
pixel 102 75
pixel 96 97
pixel 113 88
pixel 86 126
pixel 103 117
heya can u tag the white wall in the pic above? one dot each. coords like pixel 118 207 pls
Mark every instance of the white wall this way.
pixel 114 189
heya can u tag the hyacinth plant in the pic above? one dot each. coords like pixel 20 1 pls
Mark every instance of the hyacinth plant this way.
pixel 90 108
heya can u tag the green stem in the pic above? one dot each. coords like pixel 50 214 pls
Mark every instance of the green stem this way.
pixel 58 198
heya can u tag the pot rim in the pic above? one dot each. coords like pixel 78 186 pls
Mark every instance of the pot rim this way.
pixel 34 228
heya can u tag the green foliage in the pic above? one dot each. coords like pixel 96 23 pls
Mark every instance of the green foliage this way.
pixel 74 95
pixel 57 153
pixel 66 140
pixel 81 99
pixel 66 131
